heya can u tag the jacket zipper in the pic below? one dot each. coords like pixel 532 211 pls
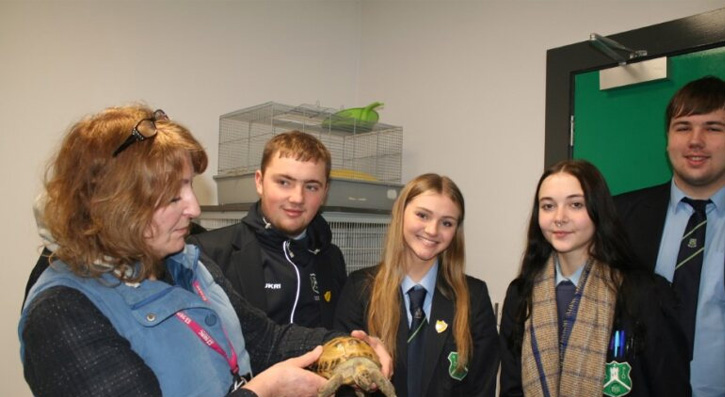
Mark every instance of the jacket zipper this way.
pixel 287 254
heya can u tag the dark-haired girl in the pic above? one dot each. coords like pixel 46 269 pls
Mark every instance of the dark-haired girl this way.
pixel 582 318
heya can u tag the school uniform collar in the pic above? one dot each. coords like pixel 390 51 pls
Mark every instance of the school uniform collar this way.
pixel 574 278
pixel 428 282
pixel 676 204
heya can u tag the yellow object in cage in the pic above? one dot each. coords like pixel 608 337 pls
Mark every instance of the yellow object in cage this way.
pixel 352 174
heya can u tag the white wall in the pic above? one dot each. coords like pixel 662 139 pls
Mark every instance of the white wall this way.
pixel 465 78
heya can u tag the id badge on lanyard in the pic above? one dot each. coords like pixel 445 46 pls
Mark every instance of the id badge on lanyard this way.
pixel 238 380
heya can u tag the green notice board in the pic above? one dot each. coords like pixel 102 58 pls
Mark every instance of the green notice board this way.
pixel 622 130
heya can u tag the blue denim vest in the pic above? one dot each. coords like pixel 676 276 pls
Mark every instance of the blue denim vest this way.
pixel 145 314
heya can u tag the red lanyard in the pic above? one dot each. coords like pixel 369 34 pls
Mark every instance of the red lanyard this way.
pixel 207 338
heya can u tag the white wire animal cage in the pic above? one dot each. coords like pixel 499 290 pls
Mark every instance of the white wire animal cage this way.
pixel 359 151
pixel 365 175
pixel 360 237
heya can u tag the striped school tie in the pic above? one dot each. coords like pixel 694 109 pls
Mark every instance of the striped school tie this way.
pixel 416 340
pixel 686 281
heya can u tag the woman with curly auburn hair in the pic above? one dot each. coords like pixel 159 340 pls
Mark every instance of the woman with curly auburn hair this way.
pixel 97 207
pixel 125 307
pixel 452 349
pixel 583 318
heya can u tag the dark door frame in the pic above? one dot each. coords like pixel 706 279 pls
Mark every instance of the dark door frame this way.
pixel 695 33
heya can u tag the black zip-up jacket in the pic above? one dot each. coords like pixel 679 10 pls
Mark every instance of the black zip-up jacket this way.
pixel 291 280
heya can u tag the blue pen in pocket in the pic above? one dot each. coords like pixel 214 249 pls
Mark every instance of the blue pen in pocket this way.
pixel 617 345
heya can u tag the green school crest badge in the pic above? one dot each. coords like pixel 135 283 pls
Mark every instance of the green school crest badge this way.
pixel 452 371
pixel 616 379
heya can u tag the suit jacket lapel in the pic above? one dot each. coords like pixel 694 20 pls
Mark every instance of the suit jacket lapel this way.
pixel 401 352
pixel 442 310
pixel 654 218
pixel 643 214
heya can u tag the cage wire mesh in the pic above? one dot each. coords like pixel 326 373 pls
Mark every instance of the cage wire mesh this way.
pixel 359 237
pixel 215 223
pixel 361 243
pixel 371 153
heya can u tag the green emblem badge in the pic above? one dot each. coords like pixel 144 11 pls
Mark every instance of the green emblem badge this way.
pixel 456 374
pixel 616 379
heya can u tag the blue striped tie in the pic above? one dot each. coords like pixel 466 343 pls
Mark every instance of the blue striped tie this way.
pixel 416 340
pixel 686 281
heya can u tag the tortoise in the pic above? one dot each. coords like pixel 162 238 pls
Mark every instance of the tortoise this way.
pixel 350 361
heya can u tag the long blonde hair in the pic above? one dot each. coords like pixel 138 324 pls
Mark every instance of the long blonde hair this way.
pixel 384 310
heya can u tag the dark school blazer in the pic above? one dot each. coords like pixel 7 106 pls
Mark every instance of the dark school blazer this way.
pixel 660 366
pixel 352 312
pixel 643 214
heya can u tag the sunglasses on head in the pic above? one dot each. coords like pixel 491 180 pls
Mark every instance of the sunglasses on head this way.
pixel 144 129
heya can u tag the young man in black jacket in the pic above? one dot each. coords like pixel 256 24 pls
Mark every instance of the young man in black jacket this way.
pixel 280 257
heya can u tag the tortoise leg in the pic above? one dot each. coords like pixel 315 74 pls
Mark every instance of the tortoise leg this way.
pixel 331 386
pixel 383 383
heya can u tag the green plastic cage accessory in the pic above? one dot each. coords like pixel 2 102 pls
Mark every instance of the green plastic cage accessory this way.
pixel 354 119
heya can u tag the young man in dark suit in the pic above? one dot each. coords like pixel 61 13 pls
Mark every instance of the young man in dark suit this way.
pixel 280 257
pixel 657 220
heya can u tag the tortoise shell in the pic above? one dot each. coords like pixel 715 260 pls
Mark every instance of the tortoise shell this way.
pixel 341 349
